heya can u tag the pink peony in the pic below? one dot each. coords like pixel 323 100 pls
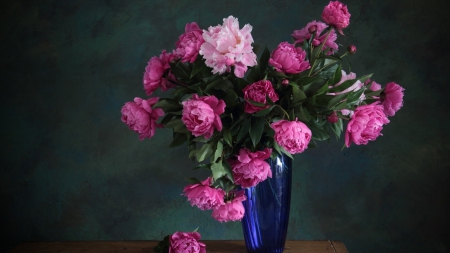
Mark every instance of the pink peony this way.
pixel 141 117
pixel 226 45
pixel 293 136
pixel 155 73
pixel 201 115
pixel 336 14
pixel 188 45
pixel 232 210
pixel 366 124
pixel 304 34
pixel 250 168
pixel 203 195
pixel 258 92
pixel 392 100
pixel 289 59
pixel 186 242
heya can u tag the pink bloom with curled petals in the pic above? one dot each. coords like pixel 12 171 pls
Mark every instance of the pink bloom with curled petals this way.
pixel 258 92
pixel 157 73
pixel 203 195
pixel 141 117
pixel 232 210
pixel 188 45
pixel 392 100
pixel 250 168
pixel 226 45
pixel 289 59
pixel 293 136
pixel 186 242
pixel 304 34
pixel 365 125
pixel 336 14
pixel 201 115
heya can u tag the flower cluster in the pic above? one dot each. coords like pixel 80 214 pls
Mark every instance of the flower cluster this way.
pixel 236 104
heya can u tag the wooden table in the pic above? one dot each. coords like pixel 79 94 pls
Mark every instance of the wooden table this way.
pixel 147 246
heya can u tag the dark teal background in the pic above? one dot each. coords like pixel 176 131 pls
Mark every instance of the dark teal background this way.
pixel 71 170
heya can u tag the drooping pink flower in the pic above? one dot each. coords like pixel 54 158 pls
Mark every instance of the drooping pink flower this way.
pixel 188 44
pixel 250 168
pixel 258 92
pixel 155 75
pixel 336 14
pixel 201 115
pixel 293 136
pixel 374 86
pixel 203 195
pixel 365 125
pixel 289 59
pixel 141 117
pixel 304 34
pixel 226 45
pixel 186 242
pixel 392 100
pixel 232 210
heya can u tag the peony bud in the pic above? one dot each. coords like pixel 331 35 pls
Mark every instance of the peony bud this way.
pixel 351 49
pixel 332 118
pixel 285 82
pixel 312 29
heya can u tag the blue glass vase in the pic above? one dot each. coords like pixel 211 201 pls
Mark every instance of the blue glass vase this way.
pixel 266 218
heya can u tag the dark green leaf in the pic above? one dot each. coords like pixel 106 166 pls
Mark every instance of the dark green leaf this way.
pixel 263 112
pixel 179 138
pixel 243 130
pixel 219 150
pixel 168 105
pixel 364 78
pixel 297 94
pixel 227 137
pixel 336 99
pixel 204 152
pixel 218 170
pixel 256 130
pixel 194 180
pixel 263 61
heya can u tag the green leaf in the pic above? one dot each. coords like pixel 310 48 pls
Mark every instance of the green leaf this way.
pixel 218 170
pixel 302 114
pixel 227 137
pixel 256 103
pixel 337 76
pixel 228 171
pixel 256 130
pixel 343 86
pixel 174 123
pixel 336 99
pixel 243 130
pixel 202 166
pixel 198 66
pixel 231 98
pixel 263 112
pixel 179 138
pixel 194 180
pixel 364 78
pixel 264 60
pixel 204 152
pixel 219 150
pixel 337 128
pixel 168 105
pixel 297 94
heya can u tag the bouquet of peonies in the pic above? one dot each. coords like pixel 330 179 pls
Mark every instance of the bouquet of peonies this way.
pixel 236 104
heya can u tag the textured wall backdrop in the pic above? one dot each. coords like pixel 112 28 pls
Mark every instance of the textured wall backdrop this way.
pixel 71 170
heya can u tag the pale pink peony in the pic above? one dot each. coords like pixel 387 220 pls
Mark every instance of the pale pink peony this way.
pixel 336 14
pixel 226 45
pixel 365 125
pixel 232 210
pixel 392 100
pixel 289 59
pixel 141 117
pixel 188 45
pixel 155 75
pixel 258 92
pixel 250 168
pixel 186 242
pixel 304 34
pixel 293 136
pixel 201 115
pixel 203 195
